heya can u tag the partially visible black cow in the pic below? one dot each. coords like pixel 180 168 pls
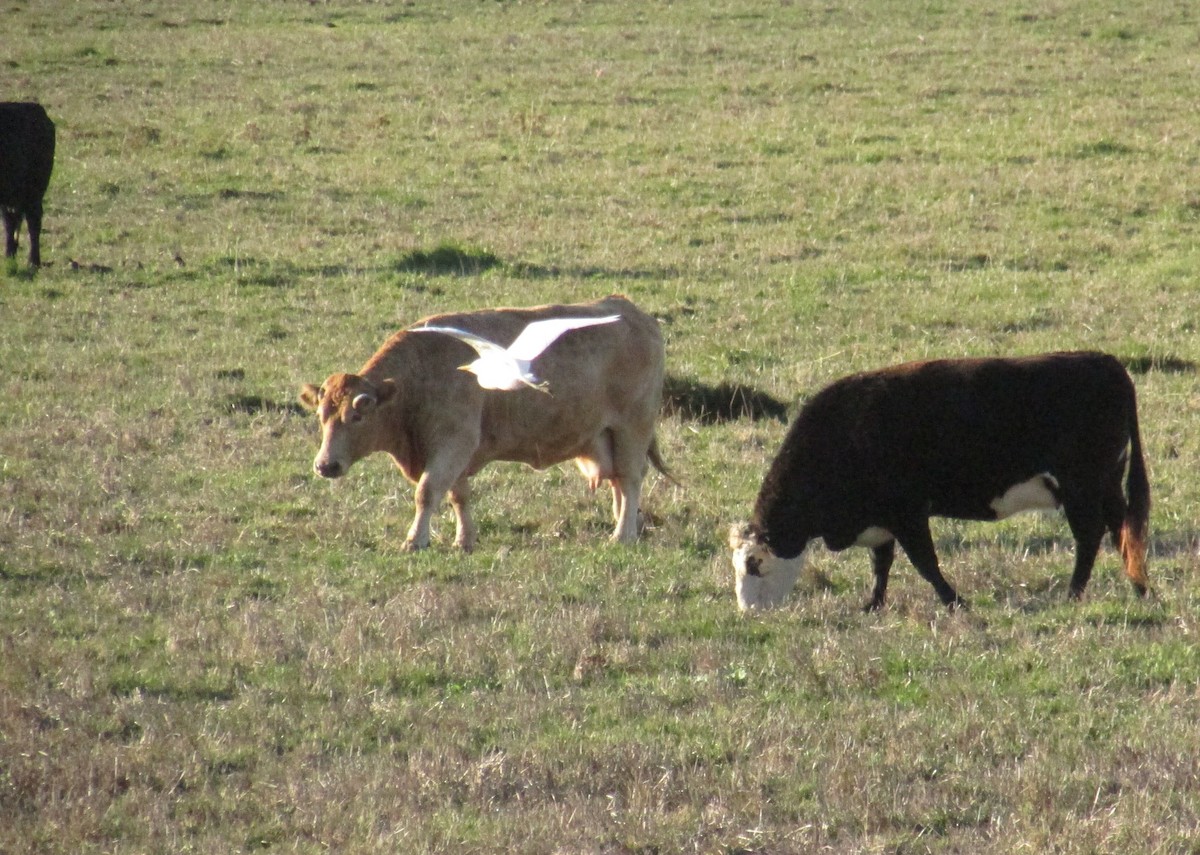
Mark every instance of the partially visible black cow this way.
pixel 873 456
pixel 26 160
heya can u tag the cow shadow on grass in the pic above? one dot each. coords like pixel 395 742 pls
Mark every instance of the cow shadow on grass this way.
pixel 692 400
pixel 1163 363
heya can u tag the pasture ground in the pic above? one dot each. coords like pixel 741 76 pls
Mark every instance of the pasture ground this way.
pixel 203 648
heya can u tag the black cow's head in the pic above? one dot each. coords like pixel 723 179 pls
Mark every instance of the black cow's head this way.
pixel 761 578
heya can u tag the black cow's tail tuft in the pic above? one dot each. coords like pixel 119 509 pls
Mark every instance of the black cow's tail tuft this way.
pixel 1135 528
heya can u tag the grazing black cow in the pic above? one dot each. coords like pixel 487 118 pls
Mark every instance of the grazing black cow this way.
pixel 26 160
pixel 873 456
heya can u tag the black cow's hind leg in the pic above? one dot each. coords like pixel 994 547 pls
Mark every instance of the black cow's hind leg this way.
pixel 1115 508
pixel 12 222
pixel 881 562
pixel 917 543
pixel 33 219
pixel 1087 525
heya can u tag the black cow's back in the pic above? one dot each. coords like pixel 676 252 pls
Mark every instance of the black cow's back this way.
pixel 26 152
pixel 950 435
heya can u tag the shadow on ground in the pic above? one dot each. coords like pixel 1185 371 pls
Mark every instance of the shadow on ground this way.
pixel 725 402
pixel 1164 363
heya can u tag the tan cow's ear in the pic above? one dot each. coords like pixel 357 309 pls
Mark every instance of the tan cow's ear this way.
pixel 386 390
pixel 310 396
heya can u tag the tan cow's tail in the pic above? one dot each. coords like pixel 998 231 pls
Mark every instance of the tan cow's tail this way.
pixel 1135 528
pixel 657 461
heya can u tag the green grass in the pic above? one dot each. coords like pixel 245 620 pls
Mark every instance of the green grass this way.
pixel 204 648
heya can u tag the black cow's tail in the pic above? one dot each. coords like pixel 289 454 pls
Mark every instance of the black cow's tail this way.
pixel 1135 528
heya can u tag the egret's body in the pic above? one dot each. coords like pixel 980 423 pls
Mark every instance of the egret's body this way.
pixel 510 368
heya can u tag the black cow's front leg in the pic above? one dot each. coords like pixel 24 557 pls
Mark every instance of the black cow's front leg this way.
pixel 881 562
pixel 917 542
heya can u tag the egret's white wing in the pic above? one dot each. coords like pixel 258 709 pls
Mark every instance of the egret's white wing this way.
pixel 482 345
pixel 539 335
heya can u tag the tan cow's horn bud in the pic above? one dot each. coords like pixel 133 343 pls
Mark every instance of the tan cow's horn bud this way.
pixel 362 401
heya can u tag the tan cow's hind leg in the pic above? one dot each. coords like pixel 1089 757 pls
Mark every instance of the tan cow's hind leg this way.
pixel 627 494
pixel 460 496
pixel 629 456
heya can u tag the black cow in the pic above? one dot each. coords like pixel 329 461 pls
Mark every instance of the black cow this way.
pixel 26 160
pixel 873 456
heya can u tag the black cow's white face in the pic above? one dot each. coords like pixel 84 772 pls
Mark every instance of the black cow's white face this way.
pixel 761 578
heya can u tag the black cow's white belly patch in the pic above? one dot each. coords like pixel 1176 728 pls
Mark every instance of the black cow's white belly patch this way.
pixel 1039 493
pixel 873 536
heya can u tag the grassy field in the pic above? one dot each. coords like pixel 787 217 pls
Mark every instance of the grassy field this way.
pixel 204 648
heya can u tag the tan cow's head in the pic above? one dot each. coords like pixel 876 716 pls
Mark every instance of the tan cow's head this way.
pixel 347 406
pixel 761 578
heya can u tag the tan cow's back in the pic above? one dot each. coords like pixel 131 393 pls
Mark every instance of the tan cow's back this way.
pixel 599 377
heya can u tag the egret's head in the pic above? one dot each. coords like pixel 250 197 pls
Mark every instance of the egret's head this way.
pixel 761 578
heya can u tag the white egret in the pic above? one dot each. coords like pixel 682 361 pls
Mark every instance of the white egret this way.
pixel 509 368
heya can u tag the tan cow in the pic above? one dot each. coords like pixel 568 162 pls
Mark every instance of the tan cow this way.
pixel 440 427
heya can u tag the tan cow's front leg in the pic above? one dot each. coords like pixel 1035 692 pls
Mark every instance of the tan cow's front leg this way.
pixel 446 473
pixel 428 496
pixel 431 489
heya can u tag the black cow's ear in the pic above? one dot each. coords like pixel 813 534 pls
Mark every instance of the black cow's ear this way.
pixel 385 391
pixel 310 396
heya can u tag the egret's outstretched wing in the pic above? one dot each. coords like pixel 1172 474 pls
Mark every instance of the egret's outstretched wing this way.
pixel 482 345
pixel 539 335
